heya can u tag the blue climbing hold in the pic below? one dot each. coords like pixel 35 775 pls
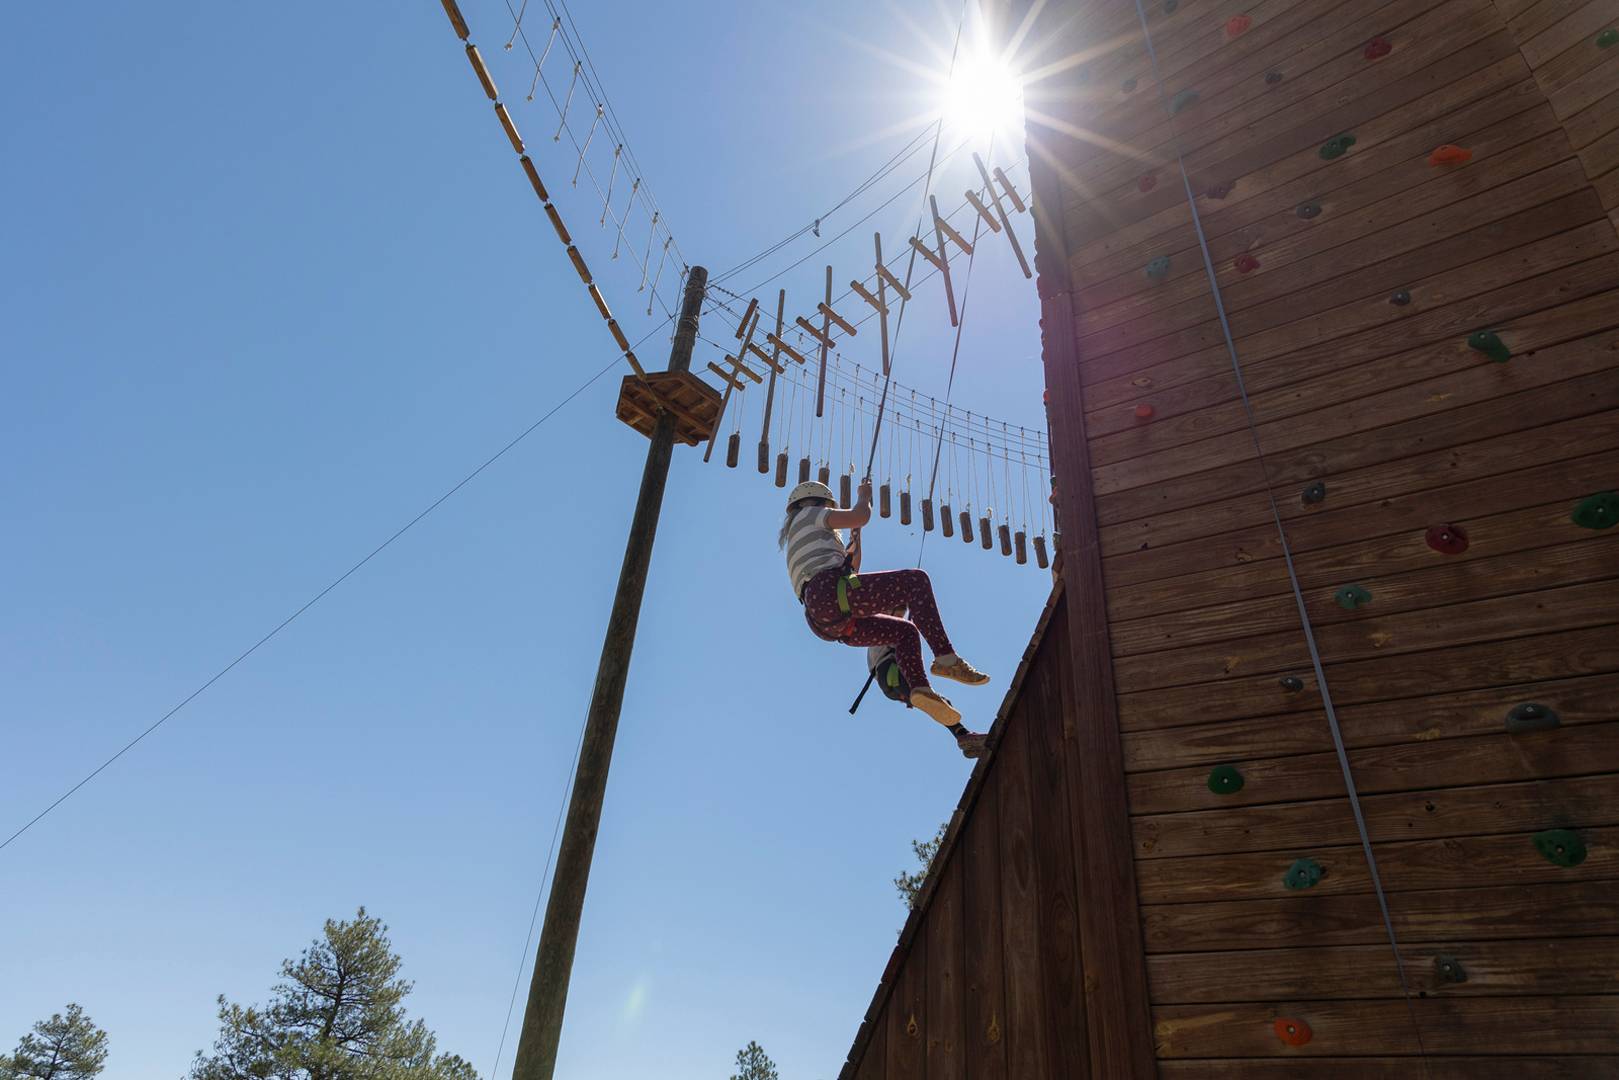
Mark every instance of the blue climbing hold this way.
pixel 1158 269
pixel 1599 511
pixel 1303 874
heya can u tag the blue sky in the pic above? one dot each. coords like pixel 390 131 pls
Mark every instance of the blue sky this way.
pixel 272 283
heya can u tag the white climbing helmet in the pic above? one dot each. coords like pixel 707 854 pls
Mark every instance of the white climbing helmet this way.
pixel 810 489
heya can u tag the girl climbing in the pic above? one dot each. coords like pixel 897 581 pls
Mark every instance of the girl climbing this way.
pixel 842 605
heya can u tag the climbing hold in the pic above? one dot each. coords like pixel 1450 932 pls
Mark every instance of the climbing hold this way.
pixel 1351 597
pixel 1170 6
pixel 1336 146
pixel 1292 683
pixel 1529 716
pixel 1147 182
pixel 1225 780
pixel 1377 48
pixel 1599 511
pixel 1144 411
pixel 1608 37
pixel 1449 969
pixel 1561 846
pixel 1447 539
pixel 1237 25
pixel 1158 269
pixel 1181 100
pixel 1293 1032
pixel 1272 78
pixel 1303 874
pixel 1315 493
pixel 1490 344
pixel 1400 298
pixel 1450 155
pixel 1128 85
pixel 1245 263
pixel 1220 191
pixel 1308 210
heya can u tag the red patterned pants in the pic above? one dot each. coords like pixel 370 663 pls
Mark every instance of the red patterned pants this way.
pixel 872 619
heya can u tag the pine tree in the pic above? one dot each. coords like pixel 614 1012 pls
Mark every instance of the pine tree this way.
pixel 68 1047
pixel 336 1014
pixel 910 885
pixel 752 1063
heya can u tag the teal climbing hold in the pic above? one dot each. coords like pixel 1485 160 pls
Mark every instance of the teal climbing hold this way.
pixel 1181 100
pixel 1531 716
pixel 1351 597
pixel 1225 780
pixel 1158 269
pixel 1170 6
pixel 1315 493
pixel 1308 210
pixel 1561 846
pixel 1449 969
pixel 1490 344
pixel 1129 85
pixel 1607 38
pixel 1303 874
pixel 1336 146
pixel 1599 511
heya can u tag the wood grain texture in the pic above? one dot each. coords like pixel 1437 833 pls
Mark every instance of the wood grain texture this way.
pixel 946 983
pixel 1428 1067
pixel 984 1015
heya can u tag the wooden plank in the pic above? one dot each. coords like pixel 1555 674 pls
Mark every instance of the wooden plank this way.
pixel 873 1064
pixel 1427 1067
pixel 1506 1025
pixel 1433 811
pixel 905 1055
pixel 1585 90
pixel 1024 1022
pixel 1579 26
pixel 984 1020
pixel 1592 122
pixel 944 1054
pixel 1347 972
pixel 1498 913
pixel 1405 866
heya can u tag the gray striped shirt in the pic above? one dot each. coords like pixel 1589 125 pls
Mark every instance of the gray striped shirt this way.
pixel 811 546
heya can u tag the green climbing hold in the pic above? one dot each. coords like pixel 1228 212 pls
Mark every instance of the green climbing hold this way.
pixel 1600 511
pixel 1351 597
pixel 1181 100
pixel 1225 780
pixel 1303 874
pixel 1561 846
pixel 1158 269
pixel 1449 969
pixel 1315 493
pixel 1336 146
pixel 1531 716
pixel 1490 344
pixel 1607 38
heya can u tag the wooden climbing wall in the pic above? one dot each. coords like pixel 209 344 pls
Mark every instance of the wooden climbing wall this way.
pixel 1429 344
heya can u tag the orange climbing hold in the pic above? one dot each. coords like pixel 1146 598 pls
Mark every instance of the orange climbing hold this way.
pixel 1245 263
pixel 1238 25
pixel 1144 411
pixel 1293 1032
pixel 1450 155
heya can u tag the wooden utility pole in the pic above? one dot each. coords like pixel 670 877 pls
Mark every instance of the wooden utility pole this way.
pixel 548 990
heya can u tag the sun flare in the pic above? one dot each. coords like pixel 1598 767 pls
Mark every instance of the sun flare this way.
pixel 983 96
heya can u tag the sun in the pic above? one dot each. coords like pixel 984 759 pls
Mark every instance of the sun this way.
pixel 984 96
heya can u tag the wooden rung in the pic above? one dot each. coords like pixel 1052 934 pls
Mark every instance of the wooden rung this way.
pixel 847 327
pixel 556 223
pixel 618 334
pixel 893 282
pixel 1011 192
pixel 786 348
pixel 955 237
pixel 983 212
pixel 534 179
pixel 744 369
pixel 742 327
pixel 482 72
pixel 579 264
pixel 768 360
pixel 927 253
pixel 511 128
pixel 865 294
pixel 601 301
pixel 725 375
pixel 454 12
pixel 629 355
pixel 814 332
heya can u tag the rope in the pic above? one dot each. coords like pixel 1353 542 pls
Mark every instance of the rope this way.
pixel 1287 556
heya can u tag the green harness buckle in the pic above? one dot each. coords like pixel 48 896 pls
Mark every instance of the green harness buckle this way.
pixel 845 583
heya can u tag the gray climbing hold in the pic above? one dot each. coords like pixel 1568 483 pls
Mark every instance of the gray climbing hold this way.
pixel 1181 100
pixel 1272 78
pixel 1292 683
pixel 1532 716
pixel 1308 210
pixel 1400 298
pixel 1315 493
pixel 1129 85
pixel 1448 969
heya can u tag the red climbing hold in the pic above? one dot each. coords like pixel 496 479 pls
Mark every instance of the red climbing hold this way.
pixel 1147 182
pixel 1237 25
pixel 1377 48
pixel 1246 262
pixel 1144 411
pixel 1447 539
pixel 1293 1032
pixel 1450 155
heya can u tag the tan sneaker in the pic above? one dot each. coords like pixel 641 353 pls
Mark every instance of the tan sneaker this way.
pixel 939 708
pixel 958 670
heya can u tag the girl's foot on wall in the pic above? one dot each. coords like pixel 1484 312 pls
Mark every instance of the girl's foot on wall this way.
pixel 939 708
pixel 952 667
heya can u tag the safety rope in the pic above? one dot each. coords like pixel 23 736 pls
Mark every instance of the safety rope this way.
pixel 1287 555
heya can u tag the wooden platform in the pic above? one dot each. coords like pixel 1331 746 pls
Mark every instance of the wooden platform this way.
pixel 695 404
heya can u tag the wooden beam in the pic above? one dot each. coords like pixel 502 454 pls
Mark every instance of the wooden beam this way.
pixel 881 299
pixel 893 282
pixel 843 324
pixel 983 212
pixel 742 327
pixel 826 343
pixel 815 332
pixel 774 362
pixel 1000 211
pixel 776 341
pixel 943 262
pixel 866 295
pixel 731 382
